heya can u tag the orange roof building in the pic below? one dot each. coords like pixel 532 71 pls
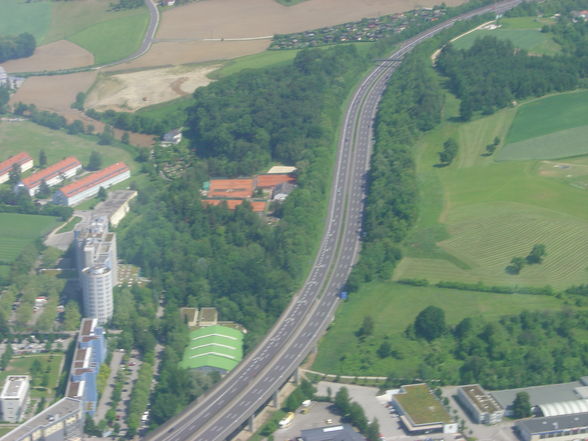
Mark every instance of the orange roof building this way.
pixel 271 180
pixel 256 206
pixel 231 188
pixel 23 159
pixel 90 185
pixel 52 175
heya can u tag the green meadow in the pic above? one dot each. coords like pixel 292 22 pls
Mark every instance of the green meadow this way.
pixel 114 39
pixel 479 213
pixel 20 16
pixel 524 32
pixel 393 307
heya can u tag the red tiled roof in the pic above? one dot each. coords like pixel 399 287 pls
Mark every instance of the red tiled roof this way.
pixel 271 180
pixel 20 159
pixel 231 188
pixel 94 179
pixel 51 171
pixel 256 206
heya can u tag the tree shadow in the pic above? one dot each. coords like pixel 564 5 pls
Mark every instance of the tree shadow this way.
pixel 440 165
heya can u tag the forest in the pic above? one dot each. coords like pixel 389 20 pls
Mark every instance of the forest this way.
pixel 16 46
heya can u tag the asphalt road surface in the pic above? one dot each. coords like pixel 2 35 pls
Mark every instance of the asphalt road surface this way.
pixel 223 411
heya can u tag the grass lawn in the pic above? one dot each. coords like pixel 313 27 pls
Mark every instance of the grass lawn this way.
pixel 32 138
pixel 477 214
pixel 393 307
pixel 175 109
pixel 255 61
pixel 114 39
pixel 19 230
pixel 21 365
pixel 20 16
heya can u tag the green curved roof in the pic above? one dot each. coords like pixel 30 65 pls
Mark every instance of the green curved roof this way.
pixel 213 346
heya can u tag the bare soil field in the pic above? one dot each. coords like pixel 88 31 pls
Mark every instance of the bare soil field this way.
pixel 61 54
pixel 132 91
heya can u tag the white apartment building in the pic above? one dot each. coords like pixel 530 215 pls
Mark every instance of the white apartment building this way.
pixel 14 397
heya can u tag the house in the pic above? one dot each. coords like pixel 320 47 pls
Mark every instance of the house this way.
pixel 174 136
pixel 52 175
pixel 90 185
pixel 23 160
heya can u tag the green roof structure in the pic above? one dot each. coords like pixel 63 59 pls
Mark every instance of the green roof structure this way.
pixel 216 347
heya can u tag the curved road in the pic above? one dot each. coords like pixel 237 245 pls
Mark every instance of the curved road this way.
pixel 222 411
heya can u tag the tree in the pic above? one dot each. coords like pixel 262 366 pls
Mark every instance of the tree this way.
pixel 107 136
pixel 536 255
pixel 342 401
pixel 521 406
pixel 79 103
pixel 357 417
pixel 516 265
pixel 449 152
pixel 125 138
pixel 95 161
pixel 42 159
pixel 75 127
pixel 367 327
pixel 44 190
pixel 385 350
pixel 102 195
pixel 373 431
pixel 430 323
pixel 14 174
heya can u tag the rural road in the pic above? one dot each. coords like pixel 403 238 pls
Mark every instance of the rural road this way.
pixel 222 412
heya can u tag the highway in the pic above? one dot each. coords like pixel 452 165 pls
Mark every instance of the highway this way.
pixel 223 410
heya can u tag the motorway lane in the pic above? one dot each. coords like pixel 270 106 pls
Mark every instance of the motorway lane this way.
pixel 221 412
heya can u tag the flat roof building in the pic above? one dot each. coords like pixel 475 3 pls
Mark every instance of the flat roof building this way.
pixel 89 186
pixel 421 412
pixel 561 428
pixel 481 406
pixel 23 160
pixel 14 397
pixel 62 421
pixel 52 175
pixel 341 432
pixel 116 206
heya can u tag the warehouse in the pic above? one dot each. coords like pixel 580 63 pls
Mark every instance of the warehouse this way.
pixel 564 428
pixel 90 185
pixel 52 175
pixel 22 159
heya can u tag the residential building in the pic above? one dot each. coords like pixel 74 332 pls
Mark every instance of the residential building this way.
pixel 97 264
pixel 89 186
pixel 421 412
pixel 174 136
pixel 62 421
pixel 481 406
pixel 52 175
pixel 90 353
pixel 3 77
pixel 560 428
pixel 23 160
pixel 213 348
pixel 342 432
pixel 14 398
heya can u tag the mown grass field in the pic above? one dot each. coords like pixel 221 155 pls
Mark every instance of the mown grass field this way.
pixel 477 214
pixel 393 307
pixel 113 39
pixel 524 32
pixel 19 16
pixel 32 138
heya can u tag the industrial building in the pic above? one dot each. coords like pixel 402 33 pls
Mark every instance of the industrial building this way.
pixel 14 398
pixel 96 261
pixel 213 348
pixel 90 185
pixel 561 428
pixel 343 432
pixel 421 412
pixel 550 399
pixel 23 160
pixel 116 207
pixel 90 353
pixel 52 175
pixel 481 406
pixel 62 421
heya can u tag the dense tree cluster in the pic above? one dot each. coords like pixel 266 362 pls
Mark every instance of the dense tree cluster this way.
pixel 17 46
pixel 491 74
pixel 136 122
pixel 126 4
pixel 21 202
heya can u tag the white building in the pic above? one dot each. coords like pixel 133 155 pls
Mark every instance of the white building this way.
pixel 52 175
pixel 90 185
pixel 14 397
pixel 481 406
pixel 23 160
pixel 175 136
pixel 97 292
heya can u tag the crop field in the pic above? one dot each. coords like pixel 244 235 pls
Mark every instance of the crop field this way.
pixel 477 214
pixel 19 230
pixel 524 32
pixel 113 39
pixel 32 138
pixel 341 352
pixel 549 128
